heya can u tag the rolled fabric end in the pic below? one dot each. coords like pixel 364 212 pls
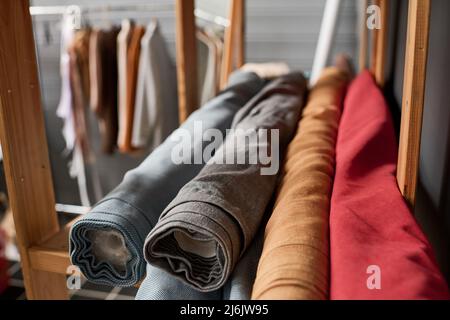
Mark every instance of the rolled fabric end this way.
pixel 197 242
pixel 106 245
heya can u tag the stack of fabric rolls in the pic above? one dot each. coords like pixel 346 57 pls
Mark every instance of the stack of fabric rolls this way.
pixel 233 227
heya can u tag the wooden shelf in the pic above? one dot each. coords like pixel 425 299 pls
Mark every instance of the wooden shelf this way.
pixel 53 254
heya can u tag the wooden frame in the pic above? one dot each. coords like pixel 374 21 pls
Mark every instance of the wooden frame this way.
pixel 26 161
pixel 234 41
pixel 234 52
pixel 379 46
pixel 379 42
pixel 186 58
pixel 42 244
pixel 413 97
pixel 363 39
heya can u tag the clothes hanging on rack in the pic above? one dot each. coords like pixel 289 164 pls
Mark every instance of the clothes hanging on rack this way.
pixel 103 78
pixel 93 79
pixel 156 107
pixel 80 86
pixel 294 262
pixel 66 113
pixel 216 37
pixel 123 41
pixel 133 208
pixel 64 110
pixel 209 85
pixel 203 232
pixel 83 161
pixel 377 248
pixel 207 89
pixel 210 53
pixel 127 115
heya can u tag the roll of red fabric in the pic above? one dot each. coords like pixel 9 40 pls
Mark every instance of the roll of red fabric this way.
pixel 378 250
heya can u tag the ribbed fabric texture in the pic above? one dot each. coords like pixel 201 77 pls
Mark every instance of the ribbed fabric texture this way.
pixel 204 231
pixel 378 250
pixel 133 208
pixel 160 285
pixel 294 263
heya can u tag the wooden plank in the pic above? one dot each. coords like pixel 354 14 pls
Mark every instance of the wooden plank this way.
pixel 22 133
pixel 53 254
pixel 413 97
pixel 234 41
pixel 381 46
pixel 186 58
pixel 239 19
pixel 363 39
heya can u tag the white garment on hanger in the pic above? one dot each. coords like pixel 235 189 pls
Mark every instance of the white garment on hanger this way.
pixel 209 83
pixel 64 110
pixel 156 105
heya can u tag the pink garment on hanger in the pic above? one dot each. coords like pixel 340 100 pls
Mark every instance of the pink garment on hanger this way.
pixel 378 250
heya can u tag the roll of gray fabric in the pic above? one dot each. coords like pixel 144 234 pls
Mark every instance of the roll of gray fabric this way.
pixel 107 243
pixel 203 232
pixel 160 285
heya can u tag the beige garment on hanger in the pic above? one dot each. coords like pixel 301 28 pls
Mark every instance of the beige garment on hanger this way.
pixel 133 53
pixel 123 40
pixel 156 105
pixel 216 36
pixel 80 86
pixel 103 78
pixel 208 87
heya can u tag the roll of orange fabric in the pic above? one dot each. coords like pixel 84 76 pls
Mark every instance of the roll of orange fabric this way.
pixel 295 260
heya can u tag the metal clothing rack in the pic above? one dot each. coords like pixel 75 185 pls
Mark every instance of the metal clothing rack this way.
pixel 43 245
pixel 61 10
